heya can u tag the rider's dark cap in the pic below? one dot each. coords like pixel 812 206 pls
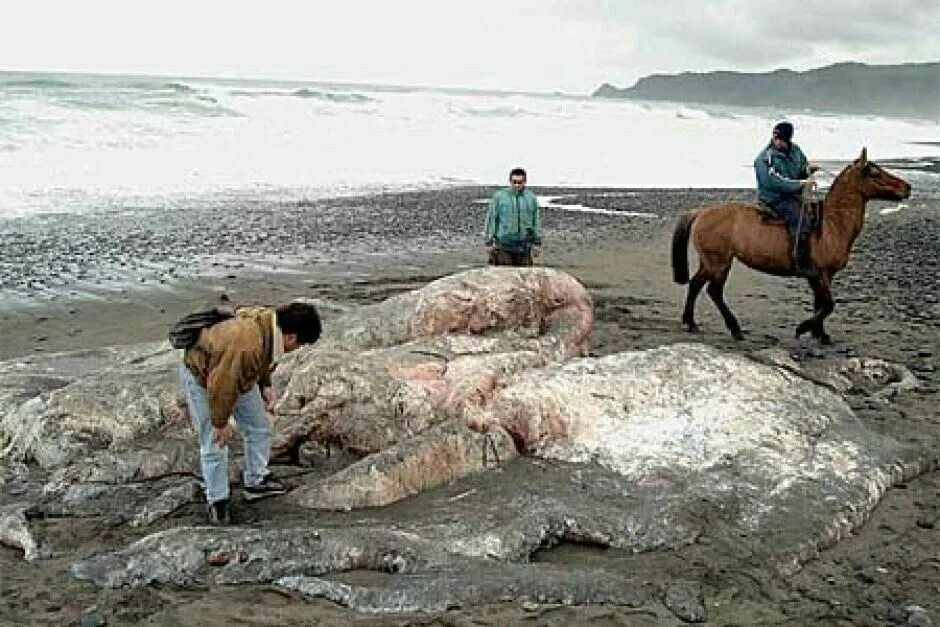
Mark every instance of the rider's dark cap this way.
pixel 784 131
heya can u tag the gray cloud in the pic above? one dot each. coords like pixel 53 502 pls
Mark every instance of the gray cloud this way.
pixel 548 45
pixel 729 34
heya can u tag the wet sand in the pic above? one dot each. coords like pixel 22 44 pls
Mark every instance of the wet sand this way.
pixel 360 250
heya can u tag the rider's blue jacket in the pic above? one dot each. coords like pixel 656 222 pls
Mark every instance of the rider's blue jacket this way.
pixel 779 173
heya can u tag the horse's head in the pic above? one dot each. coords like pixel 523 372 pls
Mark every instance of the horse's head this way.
pixel 876 183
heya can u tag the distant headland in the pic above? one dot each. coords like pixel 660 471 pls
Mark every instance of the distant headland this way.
pixel 910 90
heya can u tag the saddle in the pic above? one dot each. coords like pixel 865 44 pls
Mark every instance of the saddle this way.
pixel 813 208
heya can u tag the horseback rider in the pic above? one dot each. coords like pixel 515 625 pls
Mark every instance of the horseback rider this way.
pixel 783 175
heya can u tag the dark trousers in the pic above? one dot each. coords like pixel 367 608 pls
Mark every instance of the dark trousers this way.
pixel 500 257
pixel 790 209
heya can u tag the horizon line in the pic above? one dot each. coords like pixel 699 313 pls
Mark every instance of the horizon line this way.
pixel 430 87
pixel 344 83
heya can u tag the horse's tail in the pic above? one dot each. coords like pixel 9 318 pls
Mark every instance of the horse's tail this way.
pixel 680 249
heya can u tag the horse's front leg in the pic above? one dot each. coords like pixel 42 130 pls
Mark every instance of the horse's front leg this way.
pixel 825 307
pixel 822 307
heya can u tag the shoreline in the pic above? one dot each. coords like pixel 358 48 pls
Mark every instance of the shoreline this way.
pixel 157 266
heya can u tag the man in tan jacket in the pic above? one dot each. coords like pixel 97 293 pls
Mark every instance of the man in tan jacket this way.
pixel 228 371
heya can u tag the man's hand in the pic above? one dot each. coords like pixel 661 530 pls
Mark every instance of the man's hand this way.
pixel 491 253
pixel 808 184
pixel 223 434
pixel 270 398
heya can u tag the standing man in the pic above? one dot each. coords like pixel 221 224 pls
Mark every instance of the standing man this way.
pixel 514 224
pixel 782 175
pixel 228 371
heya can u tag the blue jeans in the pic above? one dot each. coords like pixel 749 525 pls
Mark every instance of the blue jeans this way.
pixel 252 419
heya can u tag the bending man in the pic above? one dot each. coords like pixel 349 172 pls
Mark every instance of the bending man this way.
pixel 229 371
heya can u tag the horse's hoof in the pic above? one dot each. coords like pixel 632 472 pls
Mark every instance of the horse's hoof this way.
pixel 801 328
pixel 692 328
pixel 737 334
pixel 825 339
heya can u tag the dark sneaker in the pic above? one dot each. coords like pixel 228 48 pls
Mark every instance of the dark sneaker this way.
pixel 269 486
pixel 219 513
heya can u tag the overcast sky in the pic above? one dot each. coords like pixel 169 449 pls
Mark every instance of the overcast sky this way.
pixel 539 45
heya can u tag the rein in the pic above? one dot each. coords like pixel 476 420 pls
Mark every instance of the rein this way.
pixel 809 198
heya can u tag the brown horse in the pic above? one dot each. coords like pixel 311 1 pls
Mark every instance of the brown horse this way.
pixel 723 233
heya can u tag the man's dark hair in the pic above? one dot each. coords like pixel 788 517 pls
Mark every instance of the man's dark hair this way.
pixel 517 172
pixel 301 319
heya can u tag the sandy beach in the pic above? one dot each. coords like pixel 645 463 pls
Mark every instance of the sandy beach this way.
pixel 76 282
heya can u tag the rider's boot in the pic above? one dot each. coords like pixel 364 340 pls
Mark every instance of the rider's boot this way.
pixel 803 258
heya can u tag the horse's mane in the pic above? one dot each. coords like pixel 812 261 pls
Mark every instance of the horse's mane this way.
pixel 844 171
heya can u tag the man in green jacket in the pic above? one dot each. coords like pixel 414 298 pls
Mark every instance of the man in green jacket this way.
pixel 514 224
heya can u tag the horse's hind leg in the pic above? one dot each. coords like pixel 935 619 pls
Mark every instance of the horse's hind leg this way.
pixel 695 286
pixel 716 289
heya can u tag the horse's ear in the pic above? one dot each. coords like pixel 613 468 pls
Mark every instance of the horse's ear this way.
pixel 863 160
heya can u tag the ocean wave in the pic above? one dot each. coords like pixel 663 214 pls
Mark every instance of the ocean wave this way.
pixel 494 112
pixel 90 83
pixel 198 106
pixel 255 93
pixel 35 83
pixel 305 92
pixel 143 85
pixel 331 95
pixel 116 95
pixel 181 88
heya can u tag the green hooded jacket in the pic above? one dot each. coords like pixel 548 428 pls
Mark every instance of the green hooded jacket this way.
pixel 514 221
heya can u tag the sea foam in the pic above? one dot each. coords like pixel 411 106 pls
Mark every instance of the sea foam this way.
pixel 73 142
